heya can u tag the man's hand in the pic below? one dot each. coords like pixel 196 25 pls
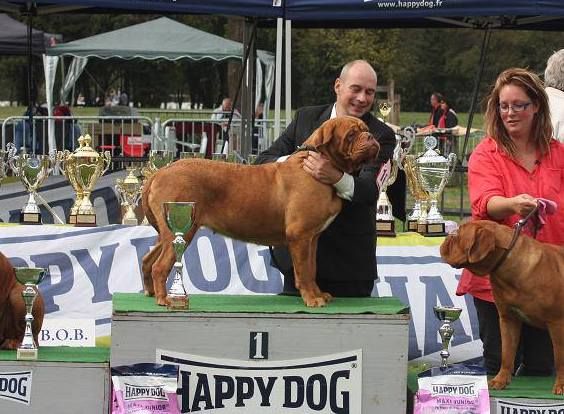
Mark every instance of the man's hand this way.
pixel 320 168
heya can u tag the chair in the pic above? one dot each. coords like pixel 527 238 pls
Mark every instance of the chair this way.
pixel 133 146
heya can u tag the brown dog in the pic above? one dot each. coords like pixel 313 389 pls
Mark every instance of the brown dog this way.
pixel 12 308
pixel 269 204
pixel 528 285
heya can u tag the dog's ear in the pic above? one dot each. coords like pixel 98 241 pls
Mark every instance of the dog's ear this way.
pixel 482 245
pixel 325 134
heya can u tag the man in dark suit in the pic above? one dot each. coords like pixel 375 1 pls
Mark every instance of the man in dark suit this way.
pixel 346 260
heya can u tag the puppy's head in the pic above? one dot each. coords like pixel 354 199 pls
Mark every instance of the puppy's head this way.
pixel 474 246
pixel 346 141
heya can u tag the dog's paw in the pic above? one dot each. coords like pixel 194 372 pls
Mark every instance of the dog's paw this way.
pixel 313 301
pixel 327 296
pixel 161 301
pixel 499 382
pixel 558 388
pixel 10 344
pixel 149 292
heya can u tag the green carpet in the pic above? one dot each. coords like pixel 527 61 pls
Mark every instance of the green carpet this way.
pixel 64 354
pixel 137 302
pixel 520 387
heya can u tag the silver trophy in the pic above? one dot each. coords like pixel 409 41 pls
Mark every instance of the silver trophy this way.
pixel 433 172
pixel 447 315
pixel 179 218
pixel 30 277
pixel 32 170
pixel 129 190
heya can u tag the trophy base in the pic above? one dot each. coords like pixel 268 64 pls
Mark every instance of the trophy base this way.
pixel 72 219
pixel 30 218
pixel 176 302
pixel 432 229
pixel 25 354
pixel 411 225
pixel 386 228
pixel 85 220
pixel 130 221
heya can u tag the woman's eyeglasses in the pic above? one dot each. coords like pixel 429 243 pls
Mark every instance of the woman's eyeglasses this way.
pixel 503 107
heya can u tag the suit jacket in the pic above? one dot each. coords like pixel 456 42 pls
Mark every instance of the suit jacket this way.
pixel 346 249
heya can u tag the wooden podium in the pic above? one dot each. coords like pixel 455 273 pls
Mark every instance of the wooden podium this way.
pixel 268 333
pixel 61 380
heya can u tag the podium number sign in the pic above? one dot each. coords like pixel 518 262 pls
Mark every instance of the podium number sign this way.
pixel 258 346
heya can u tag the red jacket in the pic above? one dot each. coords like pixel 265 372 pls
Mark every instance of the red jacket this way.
pixel 491 172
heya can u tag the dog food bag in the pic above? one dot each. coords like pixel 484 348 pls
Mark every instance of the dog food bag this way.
pixel 145 389
pixel 458 389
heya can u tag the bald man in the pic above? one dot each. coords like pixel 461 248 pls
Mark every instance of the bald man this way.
pixel 346 251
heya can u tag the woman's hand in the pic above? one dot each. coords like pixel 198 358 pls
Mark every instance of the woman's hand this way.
pixel 523 204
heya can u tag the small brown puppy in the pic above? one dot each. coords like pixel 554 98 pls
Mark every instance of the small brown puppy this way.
pixel 12 308
pixel 269 204
pixel 528 285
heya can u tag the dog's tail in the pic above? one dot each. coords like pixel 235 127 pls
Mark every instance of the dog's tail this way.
pixel 149 214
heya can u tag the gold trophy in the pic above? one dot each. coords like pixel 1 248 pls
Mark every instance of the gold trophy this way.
pixel 179 218
pixel 433 172
pixel 129 190
pixel 157 159
pixel 32 170
pixel 385 108
pixel 29 277
pixel 83 168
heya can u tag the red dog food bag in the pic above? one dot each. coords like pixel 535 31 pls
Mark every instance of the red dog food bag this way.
pixel 145 389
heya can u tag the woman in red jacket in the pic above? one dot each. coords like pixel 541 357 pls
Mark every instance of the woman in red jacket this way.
pixel 517 163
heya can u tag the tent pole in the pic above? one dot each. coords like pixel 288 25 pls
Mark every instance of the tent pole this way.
pixel 30 97
pixel 278 78
pixel 483 53
pixel 288 72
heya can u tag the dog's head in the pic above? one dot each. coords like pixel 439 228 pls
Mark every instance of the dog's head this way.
pixel 476 246
pixel 346 141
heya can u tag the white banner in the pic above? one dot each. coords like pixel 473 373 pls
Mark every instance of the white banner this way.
pixel 87 265
pixel 16 386
pixel 325 384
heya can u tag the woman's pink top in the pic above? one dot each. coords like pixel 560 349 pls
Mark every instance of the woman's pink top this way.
pixel 491 172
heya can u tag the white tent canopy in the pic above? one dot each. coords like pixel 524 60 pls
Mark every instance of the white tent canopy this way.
pixel 162 38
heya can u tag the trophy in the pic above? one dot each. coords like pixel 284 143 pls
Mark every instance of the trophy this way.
pixel 433 172
pixel 385 108
pixel 419 210
pixel 29 277
pixel 32 170
pixel 157 159
pixel 385 222
pixel 129 190
pixel 83 168
pixel 179 218
pixel 447 315
pixel 5 157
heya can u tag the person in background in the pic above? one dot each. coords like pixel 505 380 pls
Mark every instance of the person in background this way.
pixel 517 163
pixel 257 128
pixel 554 87
pixel 346 260
pixel 67 131
pixel 448 118
pixel 223 110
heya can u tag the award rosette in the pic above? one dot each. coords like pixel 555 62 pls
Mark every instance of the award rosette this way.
pixel 129 190
pixel 32 170
pixel 83 168
pixel 433 172
pixel 30 277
